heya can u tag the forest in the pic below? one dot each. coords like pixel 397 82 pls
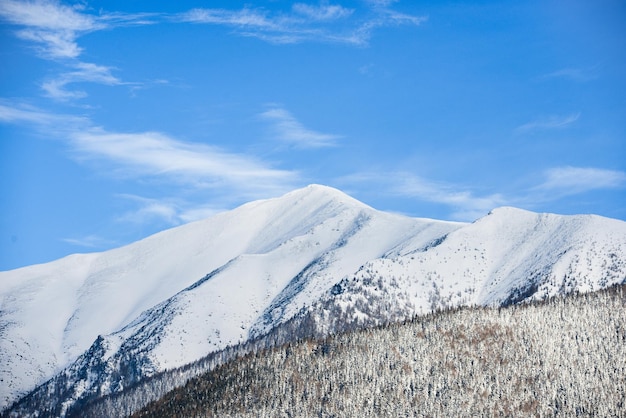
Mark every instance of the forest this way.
pixel 562 357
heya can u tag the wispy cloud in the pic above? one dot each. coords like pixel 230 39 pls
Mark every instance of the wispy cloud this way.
pixel 23 113
pixel 52 26
pixel 574 74
pixel 116 19
pixel 305 22
pixel 90 241
pixel 54 29
pixel 289 130
pixel 170 211
pixel 323 12
pixel 561 181
pixel 381 3
pixel 551 122
pixel 195 212
pixel 148 210
pixel 245 18
pixel 188 172
pixel 464 204
pixel 158 155
pixel 82 72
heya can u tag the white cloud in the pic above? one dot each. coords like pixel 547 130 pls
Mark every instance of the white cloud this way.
pixel 55 44
pixel 150 210
pixel 305 22
pixel 405 19
pixel 157 155
pixel 551 122
pixel 243 18
pixel 574 74
pixel 381 3
pixel 54 29
pixel 21 113
pixel 389 16
pixel 198 165
pixel 55 89
pixel 51 25
pixel 322 12
pixel 197 212
pixel 188 172
pixel 171 211
pixel 90 241
pixel 464 204
pixel 289 130
pixel 254 23
pixel 116 19
pixel 46 15
pixel 574 180
pixel 82 72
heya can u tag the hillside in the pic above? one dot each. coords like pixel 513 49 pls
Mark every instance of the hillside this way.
pixel 203 285
pixel 307 264
pixel 565 357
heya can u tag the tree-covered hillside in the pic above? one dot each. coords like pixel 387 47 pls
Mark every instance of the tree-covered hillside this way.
pixel 564 357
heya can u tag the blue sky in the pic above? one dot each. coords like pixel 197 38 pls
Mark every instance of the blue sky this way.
pixel 119 119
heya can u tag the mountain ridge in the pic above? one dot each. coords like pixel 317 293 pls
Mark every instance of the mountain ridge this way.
pixel 173 297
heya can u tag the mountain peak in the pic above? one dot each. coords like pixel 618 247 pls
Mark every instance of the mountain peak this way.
pixel 319 191
pixel 509 210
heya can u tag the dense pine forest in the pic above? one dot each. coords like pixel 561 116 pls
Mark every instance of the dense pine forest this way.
pixel 562 357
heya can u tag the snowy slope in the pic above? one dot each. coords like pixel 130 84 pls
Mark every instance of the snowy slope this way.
pixel 52 313
pixel 506 257
pixel 172 298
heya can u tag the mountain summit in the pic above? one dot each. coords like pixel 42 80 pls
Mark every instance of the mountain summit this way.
pixel 106 320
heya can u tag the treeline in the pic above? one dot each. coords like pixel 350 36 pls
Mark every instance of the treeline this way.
pixel 57 396
pixel 562 357
pixel 311 323
pixel 51 398
pixel 256 379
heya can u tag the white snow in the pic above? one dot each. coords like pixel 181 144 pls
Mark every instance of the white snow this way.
pixel 271 258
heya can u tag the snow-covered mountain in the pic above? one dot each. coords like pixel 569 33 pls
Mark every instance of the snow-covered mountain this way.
pixel 114 317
